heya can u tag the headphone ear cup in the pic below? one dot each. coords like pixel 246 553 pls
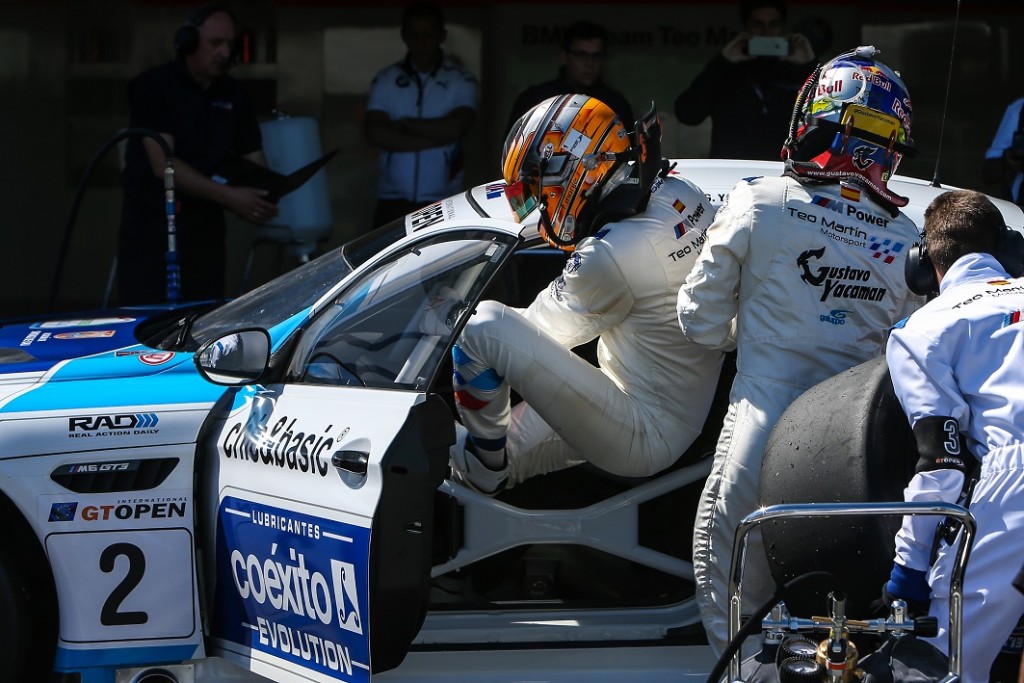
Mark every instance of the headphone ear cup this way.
pixel 919 273
pixel 186 40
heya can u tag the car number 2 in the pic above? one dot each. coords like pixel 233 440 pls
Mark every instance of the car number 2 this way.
pixel 109 615
pixel 139 584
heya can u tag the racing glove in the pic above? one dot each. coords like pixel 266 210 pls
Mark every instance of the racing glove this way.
pixel 909 585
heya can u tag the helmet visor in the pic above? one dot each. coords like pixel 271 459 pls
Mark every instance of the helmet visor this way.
pixel 522 197
pixel 882 127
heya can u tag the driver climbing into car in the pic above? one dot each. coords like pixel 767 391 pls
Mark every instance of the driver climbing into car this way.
pixel 802 274
pixel 633 229
pixel 957 366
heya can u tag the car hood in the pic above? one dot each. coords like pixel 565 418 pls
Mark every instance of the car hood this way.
pixel 82 346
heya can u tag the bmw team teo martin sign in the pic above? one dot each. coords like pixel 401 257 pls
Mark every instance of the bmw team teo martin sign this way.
pixel 294 586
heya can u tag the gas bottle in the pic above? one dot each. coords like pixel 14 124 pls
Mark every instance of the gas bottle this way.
pixel 303 215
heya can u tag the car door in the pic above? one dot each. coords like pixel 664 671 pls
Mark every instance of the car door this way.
pixel 324 483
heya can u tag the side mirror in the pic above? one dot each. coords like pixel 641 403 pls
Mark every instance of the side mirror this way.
pixel 235 359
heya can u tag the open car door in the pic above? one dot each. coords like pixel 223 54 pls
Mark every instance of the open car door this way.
pixel 323 484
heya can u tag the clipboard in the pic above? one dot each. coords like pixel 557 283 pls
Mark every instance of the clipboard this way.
pixel 240 172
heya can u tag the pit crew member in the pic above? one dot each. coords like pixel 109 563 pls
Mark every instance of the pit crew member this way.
pixel 957 366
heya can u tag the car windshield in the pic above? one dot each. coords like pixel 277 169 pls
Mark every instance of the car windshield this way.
pixel 273 302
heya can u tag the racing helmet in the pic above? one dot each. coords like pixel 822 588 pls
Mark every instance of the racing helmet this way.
pixel 562 157
pixel 851 122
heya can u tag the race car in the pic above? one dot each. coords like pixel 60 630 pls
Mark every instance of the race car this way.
pixel 259 490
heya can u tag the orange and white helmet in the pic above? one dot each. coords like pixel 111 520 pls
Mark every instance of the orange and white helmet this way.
pixel 563 156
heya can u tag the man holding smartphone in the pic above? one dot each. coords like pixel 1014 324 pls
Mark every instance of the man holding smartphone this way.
pixel 749 87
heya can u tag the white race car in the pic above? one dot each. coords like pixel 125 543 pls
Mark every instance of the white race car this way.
pixel 258 491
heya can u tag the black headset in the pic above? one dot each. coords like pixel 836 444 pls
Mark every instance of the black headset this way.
pixel 186 40
pixel 920 273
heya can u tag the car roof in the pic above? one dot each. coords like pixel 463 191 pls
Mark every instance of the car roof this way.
pixel 715 176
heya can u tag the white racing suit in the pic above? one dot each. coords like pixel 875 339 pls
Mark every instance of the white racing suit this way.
pixel 638 412
pixel 962 356
pixel 804 280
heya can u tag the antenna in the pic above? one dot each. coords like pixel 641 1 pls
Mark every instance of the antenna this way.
pixel 945 105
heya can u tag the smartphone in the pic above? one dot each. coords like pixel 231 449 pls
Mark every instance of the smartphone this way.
pixel 768 46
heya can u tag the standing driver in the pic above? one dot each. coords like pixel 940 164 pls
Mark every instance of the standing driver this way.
pixel 802 273
pixel 957 366
pixel 600 191
pixel 205 116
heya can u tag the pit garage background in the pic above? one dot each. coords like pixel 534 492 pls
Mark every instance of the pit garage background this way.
pixel 64 68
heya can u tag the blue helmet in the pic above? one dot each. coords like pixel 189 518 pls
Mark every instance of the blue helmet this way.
pixel 852 122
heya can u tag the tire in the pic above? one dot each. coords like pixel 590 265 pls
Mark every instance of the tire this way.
pixel 845 440
pixel 28 604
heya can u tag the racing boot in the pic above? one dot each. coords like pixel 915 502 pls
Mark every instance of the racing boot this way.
pixel 469 470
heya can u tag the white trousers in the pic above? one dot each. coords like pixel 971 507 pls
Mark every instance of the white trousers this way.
pixel 730 494
pixel 992 605
pixel 572 411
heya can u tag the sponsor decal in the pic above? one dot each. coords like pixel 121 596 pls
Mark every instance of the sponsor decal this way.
pixel 829 87
pixel 884 250
pixel 1003 288
pixel 696 242
pixel 836 316
pixel 156 358
pixel 871 74
pixel 85 334
pixel 826 203
pixel 282 444
pixel 124 424
pixel 837 282
pixel 576 143
pixel 35 336
pixel 680 229
pixel 494 190
pixel 122 510
pixel 83 322
pixel 427 216
pixel 861 157
pixel 295 587
pixel 695 216
pixel 572 264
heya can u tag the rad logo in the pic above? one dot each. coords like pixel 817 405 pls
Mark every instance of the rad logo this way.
pixel 112 425
pixel 291 586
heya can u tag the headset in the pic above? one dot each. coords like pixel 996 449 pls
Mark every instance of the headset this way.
pixel 920 273
pixel 186 40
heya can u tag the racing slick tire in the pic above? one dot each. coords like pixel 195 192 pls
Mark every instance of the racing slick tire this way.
pixel 845 440
pixel 28 603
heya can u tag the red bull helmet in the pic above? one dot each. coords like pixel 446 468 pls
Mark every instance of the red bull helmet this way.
pixel 852 122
